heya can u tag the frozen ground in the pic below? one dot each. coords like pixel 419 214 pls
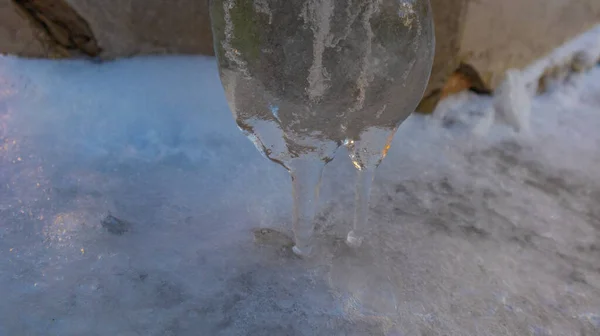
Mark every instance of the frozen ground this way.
pixel 472 236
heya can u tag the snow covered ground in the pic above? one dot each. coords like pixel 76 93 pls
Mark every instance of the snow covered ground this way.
pixel 493 235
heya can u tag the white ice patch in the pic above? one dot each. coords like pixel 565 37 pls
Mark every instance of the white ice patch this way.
pixel 456 222
pixel 512 102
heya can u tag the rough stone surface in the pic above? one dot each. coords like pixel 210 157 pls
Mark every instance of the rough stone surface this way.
pixel 489 35
pixel 499 35
pixel 109 29
pixel 493 36
pixel 448 16
pixel 59 27
pixel 16 35
pixel 126 28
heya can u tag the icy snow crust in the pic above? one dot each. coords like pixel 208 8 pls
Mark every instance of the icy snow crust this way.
pixel 494 234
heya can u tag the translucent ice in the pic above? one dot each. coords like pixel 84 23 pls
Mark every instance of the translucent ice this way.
pixel 476 238
pixel 337 71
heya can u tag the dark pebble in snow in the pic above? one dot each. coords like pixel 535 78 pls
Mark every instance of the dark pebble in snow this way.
pixel 115 225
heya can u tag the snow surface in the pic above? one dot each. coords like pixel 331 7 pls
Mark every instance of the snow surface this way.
pixel 472 235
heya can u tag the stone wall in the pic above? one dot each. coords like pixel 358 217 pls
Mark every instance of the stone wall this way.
pixel 477 40
pixel 499 35
pixel 107 29
pixel 495 35
pixel 17 36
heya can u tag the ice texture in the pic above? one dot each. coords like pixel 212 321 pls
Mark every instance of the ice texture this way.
pixel 491 235
pixel 304 77
pixel 510 106
pixel 512 101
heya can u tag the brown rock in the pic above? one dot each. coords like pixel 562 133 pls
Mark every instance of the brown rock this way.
pixel 59 26
pixel 16 34
pixel 449 20
pixel 127 28
pixel 499 35
pixel 492 36
pixel 108 28
pixel 485 37
pixel 448 16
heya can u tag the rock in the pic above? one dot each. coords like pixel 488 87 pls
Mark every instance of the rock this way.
pixel 500 35
pixel 114 225
pixel 493 36
pixel 127 28
pixel 274 240
pixel 490 36
pixel 63 27
pixel 448 16
pixel 271 237
pixel 16 34
pixel 107 29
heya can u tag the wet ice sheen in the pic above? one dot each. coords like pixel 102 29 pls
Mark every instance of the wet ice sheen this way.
pixel 492 236
pixel 304 77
